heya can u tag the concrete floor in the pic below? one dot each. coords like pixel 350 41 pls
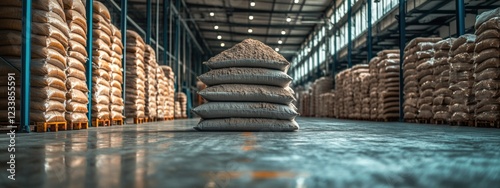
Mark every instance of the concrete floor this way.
pixel 324 153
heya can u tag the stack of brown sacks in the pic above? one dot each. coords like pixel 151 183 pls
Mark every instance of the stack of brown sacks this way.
pixel 305 102
pixel 170 97
pixel 365 94
pixel 49 37
pixel 320 86
pixel 151 91
pixel 348 95
pixel 77 94
pixel 388 86
pixel 373 70
pixel 101 60
pixel 177 110
pixel 182 99
pixel 116 97
pixel 461 78
pixel 340 109
pixel 136 76
pixel 359 74
pixel 487 67
pixel 327 104
pixel 161 98
pixel 248 90
pixel 425 77
pixel 442 93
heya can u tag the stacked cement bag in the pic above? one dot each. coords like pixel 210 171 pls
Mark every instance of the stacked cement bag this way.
pixel 247 91
pixel 373 70
pixel 348 95
pixel 170 95
pixel 151 91
pixel 101 61
pixel 48 52
pixel 320 86
pixel 327 104
pixel 305 102
pixel 161 98
pixel 77 94
pixel 388 86
pixel 340 109
pixel 182 99
pixel 487 66
pixel 136 76
pixel 365 95
pixel 116 98
pixel 442 93
pixel 359 74
pixel 177 110
pixel 411 75
pixel 461 78
pixel 425 78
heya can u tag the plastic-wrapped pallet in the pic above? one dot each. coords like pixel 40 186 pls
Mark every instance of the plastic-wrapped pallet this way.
pixel 461 78
pixel 101 62
pixel 77 98
pixel 487 67
pixel 136 76
pixel 182 99
pixel 388 86
pixel 442 93
pixel 247 91
pixel 373 70
pixel 116 98
pixel 320 86
pixel 151 91
pixel 50 34
pixel 411 78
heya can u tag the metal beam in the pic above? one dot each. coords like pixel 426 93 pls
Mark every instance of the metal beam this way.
pixel 25 67
pixel 176 11
pixel 369 36
pixel 166 18
pixel 402 43
pixel 349 33
pixel 123 27
pixel 238 41
pixel 460 14
pixel 253 34
pixel 89 11
pixel 255 25
pixel 247 10
pixel 148 22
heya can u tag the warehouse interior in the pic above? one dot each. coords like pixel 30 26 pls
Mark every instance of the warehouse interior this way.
pixel 250 93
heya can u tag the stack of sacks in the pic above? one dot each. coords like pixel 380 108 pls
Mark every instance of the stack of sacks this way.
pixel 170 96
pixel 461 78
pixel 101 60
pixel 487 66
pixel 348 95
pixel 306 100
pixel 320 86
pixel 373 70
pixel 161 98
pixel 50 34
pixel 77 94
pixel 182 99
pixel 327 103
pixel 116 97
pixel 177 110
pixel 151 83
pixel 442 93
pixel 388 86
pixel 323 105
pixel 136 76
pixel 411 82
pixel 340 78
pixel 247 91
pixel 359 73
pixel 425 78
pixel 365 95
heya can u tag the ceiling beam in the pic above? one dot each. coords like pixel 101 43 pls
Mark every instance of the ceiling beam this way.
pixel 255 25
pixel 238 41
pixel 253 34
pixel 194 6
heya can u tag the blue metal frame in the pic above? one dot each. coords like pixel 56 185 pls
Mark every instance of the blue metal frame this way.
pixel 166 18
pixel 460 17
pixel 177 38
pixel 25 67
pixel 88 66
pixel 369 37
pixel 148 22
pixel 123 27
pixel 349 34
pixel 402 43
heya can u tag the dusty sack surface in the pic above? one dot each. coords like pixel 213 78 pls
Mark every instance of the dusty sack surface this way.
pixel 248 93
pixel 214 110
pixel 246 76
pixel 247 124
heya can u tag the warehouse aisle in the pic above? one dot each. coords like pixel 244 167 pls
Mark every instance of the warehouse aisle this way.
pixel 324 153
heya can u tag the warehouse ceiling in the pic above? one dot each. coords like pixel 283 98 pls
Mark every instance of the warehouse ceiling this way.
pixel 269 24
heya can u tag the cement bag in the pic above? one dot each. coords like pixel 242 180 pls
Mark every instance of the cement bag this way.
pixel 48 116
pixel 248 93
pixel 488 116
pixel 486 44
pixel 100 99
pixel 489 63
pixel 460 116
pixel 467 38
pixel 485 16
pixel 76 46
pixel 246 124
pixel 38 53
pixel 74 95
pixel 116 114
pixel 101 10
pixel 42 68
pixel 100 90
pixel 466 48
pixel 213 110
pixel 246 76
pixel 76 84
pixel 486 94
pixel 76 5
pixel 47 105
pixel 116 84
pixel 489 73
pixel 487 54
pixel 116 100
pixel 76 117
pixel 101 73
pixel 269 64
pixel 77 57
pixel 78 38
pixel 488 34
pixel 44 81
pixel 99 34
pixel 489 84
pixel 71 72
pixel 47 93
pixel 100 81
pixel 76 107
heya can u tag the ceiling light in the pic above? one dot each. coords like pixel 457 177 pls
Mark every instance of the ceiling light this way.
pixel 222 44
pixel 283 32
pixel 250 30
pixel 216 27
pixel 219 37
pixel 250 17
pixel 212 13
pixel 277 49
pixel 252 3
pixel 288 19
pixel 280 42
pixel 296 1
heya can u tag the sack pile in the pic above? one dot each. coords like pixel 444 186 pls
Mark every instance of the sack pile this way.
pixel 359 74
pixel 373 84
pixel 305 102
pixel 248 90
pixel 161 98
pixel 327 104
pixel 170 96
pixel 442 93
pixel 151 83
pixel 388 85
pixel 487 66
pixel 136 76
pixel 320 86
pixel 182 99
pixel 116 97
pixel 341 83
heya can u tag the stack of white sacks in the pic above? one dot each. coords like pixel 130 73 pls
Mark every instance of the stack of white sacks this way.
pixel 248 90
pixel 151 82
pixel 116 97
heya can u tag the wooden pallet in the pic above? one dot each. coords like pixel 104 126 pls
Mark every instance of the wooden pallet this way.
pixel 411 120
pixel 440 122
pixel 424 121
pixel 78 125
pixel 117 121
pixel 53 126
pixel 391 119
pixel 101 122
pixel 462 123
pixel 479 123
pixel 138 120
pixel 168 118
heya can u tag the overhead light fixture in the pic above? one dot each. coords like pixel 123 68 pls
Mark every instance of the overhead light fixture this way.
pixel 222 44
pixel 212 13
pixel 250 30
pixel 280 41
pixel 288 19
pixel 252 3
pixel 216 27
pixel 277 49
pixel 250 17
pixel 296 1
pixel 283 32
pixel 219 37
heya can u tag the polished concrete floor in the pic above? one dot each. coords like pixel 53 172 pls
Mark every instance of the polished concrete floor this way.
pixel 324 153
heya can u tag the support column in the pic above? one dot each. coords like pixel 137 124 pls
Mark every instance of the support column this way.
pixel 166 18
pixel 349 34
pixel 460 5
pixel 88 66
pixel 402 43
pixel 369 37
pixel 25 67
pixel 148 22
pixel 123 28
pixel 177 49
